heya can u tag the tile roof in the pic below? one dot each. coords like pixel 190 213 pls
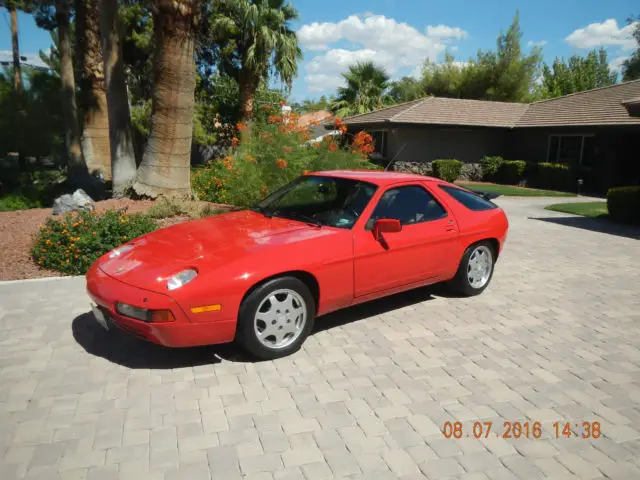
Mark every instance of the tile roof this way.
pixel 600 106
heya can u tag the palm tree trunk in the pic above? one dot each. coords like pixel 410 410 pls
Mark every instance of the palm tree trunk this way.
pixel 166 163
pixel 123 159
pixel 93 95
pixel 15 46
pixel 248 86
pixel 77 166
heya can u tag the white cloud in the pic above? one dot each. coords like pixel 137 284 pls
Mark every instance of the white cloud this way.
pixel 541 43
pixel 603 34
pixel 444 31
pixel 391 44
pixel 616 64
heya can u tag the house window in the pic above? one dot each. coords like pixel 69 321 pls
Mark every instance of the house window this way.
pixel 380 142
pixel 569 149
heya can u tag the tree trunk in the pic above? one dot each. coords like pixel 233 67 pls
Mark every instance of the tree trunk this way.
pixel 15 46
pixel 248 88
pixel 77 166
pixel 123 158
pixel 166 163
pixel 93 95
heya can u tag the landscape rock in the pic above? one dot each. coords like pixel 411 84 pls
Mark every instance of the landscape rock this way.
pixel 79 200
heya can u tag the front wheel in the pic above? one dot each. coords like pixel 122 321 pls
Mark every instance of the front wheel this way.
pixel 276 318
pixel 475 270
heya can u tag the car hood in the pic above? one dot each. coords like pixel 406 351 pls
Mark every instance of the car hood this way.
pixel 209 241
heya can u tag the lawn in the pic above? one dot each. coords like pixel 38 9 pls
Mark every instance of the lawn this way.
pixel 586 209
pixel 512 191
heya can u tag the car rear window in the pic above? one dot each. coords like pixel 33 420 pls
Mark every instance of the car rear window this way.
pixel 470 200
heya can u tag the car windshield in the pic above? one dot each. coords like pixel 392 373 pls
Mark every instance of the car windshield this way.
pixel 331 201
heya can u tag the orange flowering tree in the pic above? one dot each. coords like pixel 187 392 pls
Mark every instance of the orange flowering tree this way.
pixel 273 152
pixel 70 245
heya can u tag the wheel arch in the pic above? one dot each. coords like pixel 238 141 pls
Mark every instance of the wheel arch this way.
pixel 305 277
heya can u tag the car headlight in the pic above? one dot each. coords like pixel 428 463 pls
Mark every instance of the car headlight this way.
pixel 182 278
pixel 116 252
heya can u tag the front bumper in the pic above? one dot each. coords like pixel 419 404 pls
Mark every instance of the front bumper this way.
pixel 106 291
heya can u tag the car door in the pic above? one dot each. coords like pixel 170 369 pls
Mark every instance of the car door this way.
pixel 420 252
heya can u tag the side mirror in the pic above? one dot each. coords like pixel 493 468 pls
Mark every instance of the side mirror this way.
pixel 386 225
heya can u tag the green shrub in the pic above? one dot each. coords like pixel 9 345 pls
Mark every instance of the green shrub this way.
pixel 490 167
pixel 511 172
pixel 554 176
pixel 17 201
pixel 71 244
pixel 272 153
pixel 623 204
pixel 447 170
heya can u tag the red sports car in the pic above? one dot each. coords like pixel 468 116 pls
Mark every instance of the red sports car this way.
pixel 325 241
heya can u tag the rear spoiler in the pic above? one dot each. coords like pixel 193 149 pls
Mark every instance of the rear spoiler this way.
pixel 485 195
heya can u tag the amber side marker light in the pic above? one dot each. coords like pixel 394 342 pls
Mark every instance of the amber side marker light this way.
pixel 162 316
pixel 206 308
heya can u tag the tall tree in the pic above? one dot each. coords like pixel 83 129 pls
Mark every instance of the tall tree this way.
pixel 123 159
pixel 506 74
pixel 165 167
pixel 577 74
pixel 514 72
pixel 254 38
pixel 406 89
pixel 366 90
pixel 631 66
pixel 93 98
pixel 12 6
pixel 77 168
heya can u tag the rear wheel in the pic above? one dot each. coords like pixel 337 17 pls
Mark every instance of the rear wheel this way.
pixel 276 318
pixel 475 270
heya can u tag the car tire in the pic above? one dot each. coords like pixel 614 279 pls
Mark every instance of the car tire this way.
pixel 472 278
pixel 275 318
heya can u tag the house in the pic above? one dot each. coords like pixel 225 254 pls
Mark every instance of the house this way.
pixel 318 123
pixel 597 129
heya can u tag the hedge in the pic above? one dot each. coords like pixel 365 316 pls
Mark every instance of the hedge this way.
pixel 447 169
pixel 511 172
pixel 554 176
pixel 490 167
pixel 623 204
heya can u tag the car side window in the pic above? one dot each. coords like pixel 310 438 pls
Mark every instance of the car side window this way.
pixel 410 204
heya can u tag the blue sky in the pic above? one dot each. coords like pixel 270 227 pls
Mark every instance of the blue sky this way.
pixel 401 34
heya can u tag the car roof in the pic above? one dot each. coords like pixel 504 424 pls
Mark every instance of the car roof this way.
pixel 377 177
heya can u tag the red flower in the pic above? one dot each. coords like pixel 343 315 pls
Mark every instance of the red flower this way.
pixel 241 127
pixel 281 162
pixel 333 147
pixel 287 149
pixel 235 141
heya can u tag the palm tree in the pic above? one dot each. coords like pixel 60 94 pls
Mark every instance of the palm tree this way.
pixel 77 166
pixel 93 97
pixel 366 90
pixel 254 37
pixel 123 159
pixel 166 160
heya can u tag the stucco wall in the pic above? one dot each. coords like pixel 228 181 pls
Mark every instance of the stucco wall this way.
pixel 427 144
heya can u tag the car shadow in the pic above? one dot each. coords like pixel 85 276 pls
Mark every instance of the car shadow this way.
pixel 377 307
pixel 128 351
pixel 601 225
pixel 122 349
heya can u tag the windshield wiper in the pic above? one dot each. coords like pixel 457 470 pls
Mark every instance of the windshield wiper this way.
pixel 263 211
pixel 303 217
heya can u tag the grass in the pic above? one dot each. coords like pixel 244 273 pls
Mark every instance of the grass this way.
pixel 586 209
pixel 512 191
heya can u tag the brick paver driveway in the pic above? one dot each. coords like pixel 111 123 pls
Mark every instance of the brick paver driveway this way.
pixel 556 337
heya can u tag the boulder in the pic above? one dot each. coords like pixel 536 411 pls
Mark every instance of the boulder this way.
pixel 79 200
